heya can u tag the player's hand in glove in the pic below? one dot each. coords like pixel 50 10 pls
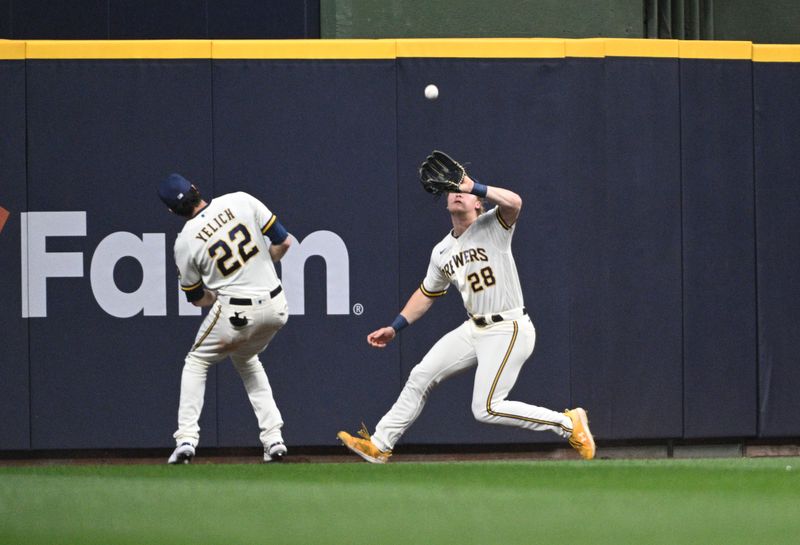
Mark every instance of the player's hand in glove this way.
pixel 381 337
pixel 440 173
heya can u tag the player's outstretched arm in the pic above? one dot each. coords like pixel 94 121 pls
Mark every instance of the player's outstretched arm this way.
pixel 509 202
pixel 417 305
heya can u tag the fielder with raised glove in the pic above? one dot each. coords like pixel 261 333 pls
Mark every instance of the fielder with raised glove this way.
pixel 496 339
pixel 440 173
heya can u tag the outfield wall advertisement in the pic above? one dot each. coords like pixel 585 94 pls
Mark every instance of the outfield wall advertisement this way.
pixel 656 246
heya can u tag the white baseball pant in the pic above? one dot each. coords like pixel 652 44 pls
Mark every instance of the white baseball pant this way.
pixel 217 339
pixel 499 350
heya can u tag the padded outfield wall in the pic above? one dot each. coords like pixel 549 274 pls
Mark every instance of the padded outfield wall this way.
pixel 657 247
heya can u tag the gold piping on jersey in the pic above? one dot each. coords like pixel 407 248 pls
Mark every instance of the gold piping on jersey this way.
pixel 501 220
pixel 269 224
pixel 192 287
pixel 431 293
pixel 207 331
pixel 497 379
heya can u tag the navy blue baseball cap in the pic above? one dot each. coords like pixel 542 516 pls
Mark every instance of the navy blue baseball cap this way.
pixel 173 190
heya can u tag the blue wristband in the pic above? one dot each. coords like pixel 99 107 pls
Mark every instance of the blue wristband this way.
pixel 479 189
pixel 399 323
pixel 277 233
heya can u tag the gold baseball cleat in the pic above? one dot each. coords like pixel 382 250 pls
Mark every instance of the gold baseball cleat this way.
pixel 581 438
pixel 364 447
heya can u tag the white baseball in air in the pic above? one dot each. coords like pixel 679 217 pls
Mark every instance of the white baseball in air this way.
pixel 431 92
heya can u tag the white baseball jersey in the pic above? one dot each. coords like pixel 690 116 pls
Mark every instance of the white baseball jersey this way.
pixel 223 248
pixel 479 263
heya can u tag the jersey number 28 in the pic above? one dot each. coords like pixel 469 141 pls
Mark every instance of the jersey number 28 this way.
pixel 485 279
pixel 222 253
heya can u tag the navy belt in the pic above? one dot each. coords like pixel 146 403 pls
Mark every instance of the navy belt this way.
pixel 240 301
pixel 481 321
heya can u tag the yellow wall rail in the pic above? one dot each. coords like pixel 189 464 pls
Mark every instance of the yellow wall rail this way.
pixel 481 48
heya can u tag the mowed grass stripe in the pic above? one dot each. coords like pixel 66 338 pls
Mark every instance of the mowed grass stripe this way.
pixel 666 501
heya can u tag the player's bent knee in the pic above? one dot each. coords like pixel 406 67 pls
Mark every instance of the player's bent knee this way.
pixel 248 367
pixel 244 362
pixel 194 363
pixel 481 413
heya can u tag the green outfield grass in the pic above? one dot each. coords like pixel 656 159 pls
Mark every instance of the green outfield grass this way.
pixel 728 501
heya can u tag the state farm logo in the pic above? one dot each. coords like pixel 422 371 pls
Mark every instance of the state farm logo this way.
pixel 40 266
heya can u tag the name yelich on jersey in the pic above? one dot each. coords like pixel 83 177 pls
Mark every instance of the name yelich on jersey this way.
pixel 214 225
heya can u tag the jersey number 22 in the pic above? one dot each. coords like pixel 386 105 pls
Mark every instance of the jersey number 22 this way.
pixel 222 253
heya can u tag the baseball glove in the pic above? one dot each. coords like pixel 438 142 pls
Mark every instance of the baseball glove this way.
pixel 439 173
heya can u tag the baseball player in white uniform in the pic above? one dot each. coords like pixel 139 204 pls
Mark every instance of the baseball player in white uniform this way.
pixel 498 337
pixel 225 261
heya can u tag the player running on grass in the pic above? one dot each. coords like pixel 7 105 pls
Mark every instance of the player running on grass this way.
pixel 498 337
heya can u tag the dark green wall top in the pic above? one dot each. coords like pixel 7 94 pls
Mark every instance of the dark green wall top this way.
pixel 764 21
pixel 479 18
